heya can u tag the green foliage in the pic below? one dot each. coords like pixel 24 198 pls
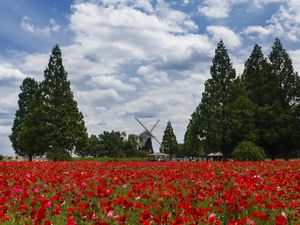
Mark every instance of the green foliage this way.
pixel 112 143
pixel 66 129
pixel 210 122
pixel 48 119
pixel 273 89
pixel 191 136
pixel 1 157
pixel 169 143
pixel 93 148
pixel 131 146
pixel 23 126
pixel 247 150
pixel 288 99
pixel 262 106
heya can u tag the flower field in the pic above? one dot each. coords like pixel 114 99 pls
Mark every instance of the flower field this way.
pixel 150 193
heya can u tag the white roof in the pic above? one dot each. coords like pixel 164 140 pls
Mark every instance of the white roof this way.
pixel 215 154
pixel 158 154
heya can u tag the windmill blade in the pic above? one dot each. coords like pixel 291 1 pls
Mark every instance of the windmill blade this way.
pixel 142 125
pixel 154 126
pixel 161 149
pixel 149 132
pixel 156 139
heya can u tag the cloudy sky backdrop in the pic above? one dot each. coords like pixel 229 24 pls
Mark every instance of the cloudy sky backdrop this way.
pixel 127 58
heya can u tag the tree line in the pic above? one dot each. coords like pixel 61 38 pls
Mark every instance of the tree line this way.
pixel 261 107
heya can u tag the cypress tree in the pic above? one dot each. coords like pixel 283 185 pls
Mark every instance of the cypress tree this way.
pixel 263 92
pixel 67 131
pixel 169 142
pixel 287 81
pixel 257 77
pixel 215 103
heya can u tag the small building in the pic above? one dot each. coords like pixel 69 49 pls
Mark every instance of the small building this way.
pixel 158 156
pixel 218 156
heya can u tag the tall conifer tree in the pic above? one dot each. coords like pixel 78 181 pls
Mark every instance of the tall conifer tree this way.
pixel 215 103
pixel 67 131
pixel 288 84
pixel 169 142
pixel 263 91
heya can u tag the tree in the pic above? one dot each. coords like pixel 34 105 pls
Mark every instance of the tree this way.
pixel 67 131
pixel 131 146
pixel 257 77
pixel 113 143
pixel 241 116
pixel 247 150
pixel 288 84
pixel 28 100
pixel 169 143
pixel 263 90
pixel 214 108
pixel 272 87
pixel 93 148
pixel 191 137
pixel 282 69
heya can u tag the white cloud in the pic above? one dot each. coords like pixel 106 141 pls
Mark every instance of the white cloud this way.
pixel 5 130
pixel 295 55
pixel 97 97
pixel 285 23
pixel 107 39
pixel 9 73
pixel 138 4
pixel 261 31
pixel 27 26
pixel 215 9
pixel 174 17
pixel 109 81
pixel 261 3
pixel 153 76
pixel 230 38
pixel 220 9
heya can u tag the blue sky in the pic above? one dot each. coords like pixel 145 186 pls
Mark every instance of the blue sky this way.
pixel 126 58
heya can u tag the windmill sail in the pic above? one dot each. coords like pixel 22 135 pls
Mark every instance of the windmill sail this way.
pixel 145 138
pixel 146 142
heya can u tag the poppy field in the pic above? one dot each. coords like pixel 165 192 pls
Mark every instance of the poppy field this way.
pixel 150 193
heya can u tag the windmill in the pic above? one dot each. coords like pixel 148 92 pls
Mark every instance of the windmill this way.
pixel 145 138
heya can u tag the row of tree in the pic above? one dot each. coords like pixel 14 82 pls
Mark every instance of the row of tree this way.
pixel 114 144
pixel 261 105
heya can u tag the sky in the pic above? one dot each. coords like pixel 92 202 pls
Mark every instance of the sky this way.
pixel 134 58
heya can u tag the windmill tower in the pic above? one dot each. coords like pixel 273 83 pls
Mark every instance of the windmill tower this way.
pixel 145 138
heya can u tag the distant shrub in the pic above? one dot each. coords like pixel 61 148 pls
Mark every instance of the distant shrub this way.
pixel 247 150
pixel 1 157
